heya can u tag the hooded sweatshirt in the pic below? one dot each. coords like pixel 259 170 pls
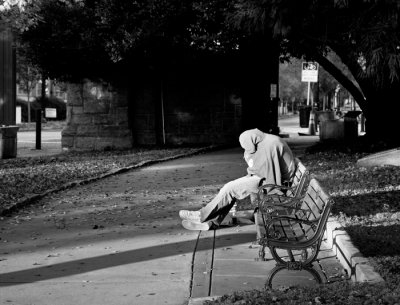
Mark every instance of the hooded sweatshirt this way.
pixel 267 156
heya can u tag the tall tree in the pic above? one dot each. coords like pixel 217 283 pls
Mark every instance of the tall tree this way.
pixel 365 36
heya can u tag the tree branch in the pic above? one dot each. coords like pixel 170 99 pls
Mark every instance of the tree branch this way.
pixel 341 78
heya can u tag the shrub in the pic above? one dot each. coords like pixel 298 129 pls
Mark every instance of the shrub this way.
pixel 49 102
pixel 24 110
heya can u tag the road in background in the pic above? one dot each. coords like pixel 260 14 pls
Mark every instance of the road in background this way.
pixel 291 125
pixel 51 139
pixel 50 143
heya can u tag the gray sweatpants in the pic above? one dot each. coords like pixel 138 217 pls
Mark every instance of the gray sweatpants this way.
pixel 216 210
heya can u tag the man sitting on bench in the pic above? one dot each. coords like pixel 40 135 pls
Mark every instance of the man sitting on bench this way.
pixel 267 156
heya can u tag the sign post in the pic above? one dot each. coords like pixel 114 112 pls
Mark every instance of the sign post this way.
pixel 309 74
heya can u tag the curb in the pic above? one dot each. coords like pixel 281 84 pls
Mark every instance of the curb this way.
pixel 356 265
pixel 387 157
pixel 31 199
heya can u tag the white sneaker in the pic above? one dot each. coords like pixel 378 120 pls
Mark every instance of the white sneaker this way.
pixel 189 215
pixel 195 225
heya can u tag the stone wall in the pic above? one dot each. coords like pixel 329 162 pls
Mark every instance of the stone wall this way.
pixel 191 128
pixel 192 104
pixel 97 118
pixel 212 116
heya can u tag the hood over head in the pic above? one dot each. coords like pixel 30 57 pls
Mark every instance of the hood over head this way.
pixel 249 139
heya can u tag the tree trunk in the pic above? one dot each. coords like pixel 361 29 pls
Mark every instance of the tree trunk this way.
pixel 382 115
pixel 258 70
pixel 43 87
pixel 29 106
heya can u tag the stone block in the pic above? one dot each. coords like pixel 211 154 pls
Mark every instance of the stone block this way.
pixel 85 143
pixel 77 110
pixel 87 131
pixel 69 130
pixel 123 143
pixel 103 119
pixel 114 143
pixel 104 143
pixel 96 106
pixel 82 119
pixel 67 141
pixel 114 131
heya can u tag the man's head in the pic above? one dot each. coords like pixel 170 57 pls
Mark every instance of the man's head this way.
pixel 249 140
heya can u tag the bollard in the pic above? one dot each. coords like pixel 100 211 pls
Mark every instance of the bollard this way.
pixel 311 125
pixel 362 122
pixel 38 129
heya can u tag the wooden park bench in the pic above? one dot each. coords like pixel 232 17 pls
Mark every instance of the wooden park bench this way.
pixel 294 234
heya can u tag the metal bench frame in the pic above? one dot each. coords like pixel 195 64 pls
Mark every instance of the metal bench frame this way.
pixel 299 232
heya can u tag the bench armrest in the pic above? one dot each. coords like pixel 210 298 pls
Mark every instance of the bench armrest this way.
pixel 274 201
pixel 266 189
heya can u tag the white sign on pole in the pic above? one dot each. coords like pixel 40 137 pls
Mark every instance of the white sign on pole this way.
pixel 309 72
pixel 51 113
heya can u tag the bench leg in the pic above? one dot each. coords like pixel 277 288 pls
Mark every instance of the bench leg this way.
pixel 304 257
pixel 261 254
pixel 316 275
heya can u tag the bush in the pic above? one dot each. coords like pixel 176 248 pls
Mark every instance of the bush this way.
pixel 49 102
pixel 24 110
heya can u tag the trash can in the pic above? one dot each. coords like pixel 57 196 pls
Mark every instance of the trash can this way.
pixel 331 129
pixel 351 125
pixel 304 114
pixel 8 141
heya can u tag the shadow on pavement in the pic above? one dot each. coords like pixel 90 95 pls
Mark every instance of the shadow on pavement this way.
pixel 101 262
